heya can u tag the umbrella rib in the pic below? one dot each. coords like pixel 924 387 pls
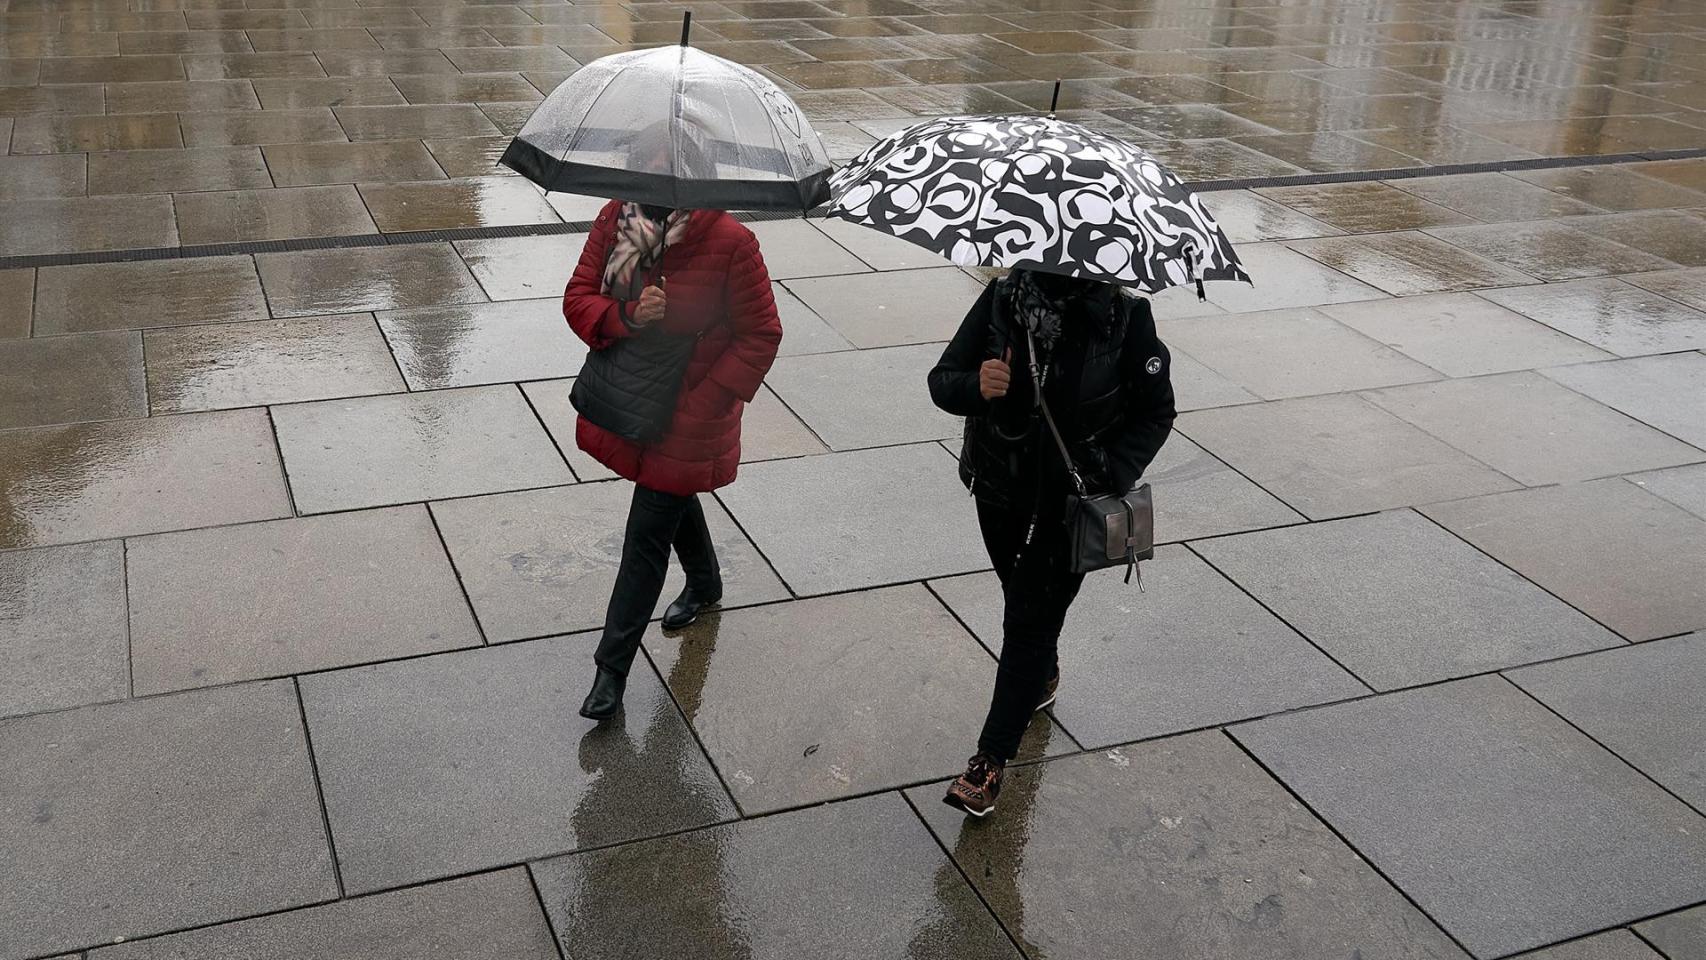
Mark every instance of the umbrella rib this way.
pixel 575 140
pixel 1012 169
pixel 775 136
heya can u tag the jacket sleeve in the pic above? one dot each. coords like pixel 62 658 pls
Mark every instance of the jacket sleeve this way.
pixel 740 369
pixel 595 318
pixel 1149 402
pixel 954 379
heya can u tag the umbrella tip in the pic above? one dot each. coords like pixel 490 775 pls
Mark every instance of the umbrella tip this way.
pixel 686 25
pixel 1053 101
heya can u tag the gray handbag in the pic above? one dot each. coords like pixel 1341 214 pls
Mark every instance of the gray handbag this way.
pixel 1104 530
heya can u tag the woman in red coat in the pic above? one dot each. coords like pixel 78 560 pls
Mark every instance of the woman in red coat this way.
pixel 680 272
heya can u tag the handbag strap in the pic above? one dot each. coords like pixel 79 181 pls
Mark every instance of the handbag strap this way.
pixel 1054 431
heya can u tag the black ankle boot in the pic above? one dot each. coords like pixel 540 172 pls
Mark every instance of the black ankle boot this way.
pixel 688 606
pixel 606 696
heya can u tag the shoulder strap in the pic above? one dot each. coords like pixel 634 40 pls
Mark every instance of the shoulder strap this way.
pixel 1054 431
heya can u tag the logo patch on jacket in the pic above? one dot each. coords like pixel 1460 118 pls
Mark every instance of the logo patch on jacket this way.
pixel 1154 365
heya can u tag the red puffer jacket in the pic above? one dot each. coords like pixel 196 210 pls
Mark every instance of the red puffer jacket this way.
pixel 715 281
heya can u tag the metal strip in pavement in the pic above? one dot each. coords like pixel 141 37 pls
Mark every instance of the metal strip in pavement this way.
pixel 247 248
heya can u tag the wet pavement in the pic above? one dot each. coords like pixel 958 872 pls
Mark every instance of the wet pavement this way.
pixel 300 570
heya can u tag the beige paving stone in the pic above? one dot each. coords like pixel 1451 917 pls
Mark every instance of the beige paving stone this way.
pixel 177 96
pixel 78 134
pixel 452 204
pixel 147 293
pixel 258 127
pixel 234 216
pixel 85 223
pixel 177 171
pixel 295 165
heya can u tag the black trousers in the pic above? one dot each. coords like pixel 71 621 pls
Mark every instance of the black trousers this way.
pixel 656 522
pixel 1037 589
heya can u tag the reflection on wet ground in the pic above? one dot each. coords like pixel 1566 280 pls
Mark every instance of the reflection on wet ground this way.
pixel 299 559
pixel 398 92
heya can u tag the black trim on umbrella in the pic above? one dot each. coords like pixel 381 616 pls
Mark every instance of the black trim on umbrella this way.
pixel 568 177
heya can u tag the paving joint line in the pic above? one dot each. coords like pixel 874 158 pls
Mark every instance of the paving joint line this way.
pixel 1334 830
pixel 583 226
pixel 1642 774
pixel 319 788
pixel 961 870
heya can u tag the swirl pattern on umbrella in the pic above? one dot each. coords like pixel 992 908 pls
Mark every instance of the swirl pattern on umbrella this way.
pixel 1037 193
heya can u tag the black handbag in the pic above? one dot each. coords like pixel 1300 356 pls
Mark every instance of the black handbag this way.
pixel 630 388
pixel 1103 530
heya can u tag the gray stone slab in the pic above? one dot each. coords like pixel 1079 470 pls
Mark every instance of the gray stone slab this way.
pixel 94 376
pixel 17 302
pixel 550 400
pixel 1462 335
pixel 218 366
pixel 1338 455
pixel 802 885
pixel 802 330
pixel 1646 703
pixel 844 521
pixel 127 477
pixel 865 398
pixel 372 451
pixel 1641 576
pixel 771 431
pixel 147 293
pixel 1292 353
pixel 1613 945
pixel 290 596
pixel 370 278
pixel 1533 430
pixel 1681 935
pixel 1249 218
pixel 1610 314
pixel 63 623
pixel 1282 279
pixel 454 763
pixel 135 818
pixel 1683 486
pixel 1549 249
pixel 472 918
pixel 1178 848
pixel 1510 828
pixel 895 659
pixel 544 561
pixel 477 343
pixel 1196 387
pixel 878 249
pixel 1196 495
pixel 796 248
pixel 523 268
pixel 1132 664
pixel 888 309
pixel 1400 601
pixel 1667 392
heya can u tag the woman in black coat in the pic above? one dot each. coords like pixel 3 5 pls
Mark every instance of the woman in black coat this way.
pixel 1105 376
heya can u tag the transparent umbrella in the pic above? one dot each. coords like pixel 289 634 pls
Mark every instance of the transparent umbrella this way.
pixel 674 126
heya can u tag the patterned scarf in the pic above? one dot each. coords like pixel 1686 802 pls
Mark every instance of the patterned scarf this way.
pixel 1036 310
pixel 640 244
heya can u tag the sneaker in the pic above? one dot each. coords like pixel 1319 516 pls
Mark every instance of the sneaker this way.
pixel 976 789
pixel 1049 691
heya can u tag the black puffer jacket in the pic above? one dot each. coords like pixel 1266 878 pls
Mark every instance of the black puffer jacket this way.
pixel 1109 387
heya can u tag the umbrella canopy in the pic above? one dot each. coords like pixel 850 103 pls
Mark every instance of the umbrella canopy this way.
pixel 674 126
pixel 1037 193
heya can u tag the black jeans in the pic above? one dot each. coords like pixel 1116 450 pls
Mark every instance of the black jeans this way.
pixel 1037 589
pixel 656 522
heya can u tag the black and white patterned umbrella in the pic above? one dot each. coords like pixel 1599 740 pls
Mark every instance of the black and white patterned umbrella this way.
pixel 1037 193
